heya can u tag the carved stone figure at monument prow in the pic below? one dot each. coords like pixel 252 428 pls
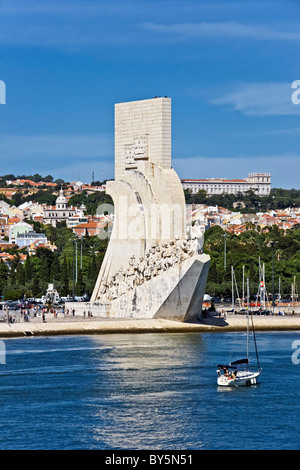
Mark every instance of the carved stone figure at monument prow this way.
pixel 151 268
pixel 158 260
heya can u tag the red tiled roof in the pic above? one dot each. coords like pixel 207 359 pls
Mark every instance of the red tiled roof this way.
pixel 87 225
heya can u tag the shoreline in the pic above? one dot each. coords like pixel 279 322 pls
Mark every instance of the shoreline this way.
pixel 96 325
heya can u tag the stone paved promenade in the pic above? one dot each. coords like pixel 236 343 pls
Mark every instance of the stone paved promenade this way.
pixel 65 325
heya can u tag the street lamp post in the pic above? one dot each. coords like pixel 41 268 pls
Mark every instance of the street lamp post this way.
pixel 225 234
pixel 273 295
pixel 273 292
pixel 73 291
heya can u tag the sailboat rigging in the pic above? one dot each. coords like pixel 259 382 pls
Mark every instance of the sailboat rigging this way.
pixel 230 375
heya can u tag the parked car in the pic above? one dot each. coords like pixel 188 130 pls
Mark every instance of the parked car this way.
pixel 12 305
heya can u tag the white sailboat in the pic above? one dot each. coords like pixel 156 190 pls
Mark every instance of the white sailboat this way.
pixel 231 375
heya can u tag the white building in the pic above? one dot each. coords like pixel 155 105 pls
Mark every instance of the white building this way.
pixel 260 183
pixel 27 238
pixel 77 219
pixel 22 234
pixel 17 230
pixel 59 212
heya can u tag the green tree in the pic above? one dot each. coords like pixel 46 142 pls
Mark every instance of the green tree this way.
pixel 28 269
pixel 36 286
pixel 46 258
pixel 80 287
pixel 20 275
pixel 55 270
pixel 3 276
pixel 14 294
pixel 64 278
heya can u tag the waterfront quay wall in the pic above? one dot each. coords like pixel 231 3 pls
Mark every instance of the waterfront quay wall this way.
pixel 86 309
pixel 277 310
pixel 103 309
pixel 66 325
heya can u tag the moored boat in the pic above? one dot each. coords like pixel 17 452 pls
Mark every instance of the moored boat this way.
pixel 231 375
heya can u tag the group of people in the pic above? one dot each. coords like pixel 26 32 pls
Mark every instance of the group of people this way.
pixel 89 314
pixel 26 314
pixel 5 316
pixel 159 258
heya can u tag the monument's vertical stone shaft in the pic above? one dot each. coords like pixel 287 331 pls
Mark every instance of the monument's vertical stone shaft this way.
pixel 149 263
pixel 142 132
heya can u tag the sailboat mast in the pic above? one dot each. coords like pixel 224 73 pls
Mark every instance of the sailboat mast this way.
pixel 259 285
pixel 256 352
pixel 243 304
pixel 294 290
pixel 248 304
pixel 232 288
pixel 264 287
pixel 253 331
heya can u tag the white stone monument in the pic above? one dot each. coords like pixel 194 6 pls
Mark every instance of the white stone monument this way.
pixel 150 269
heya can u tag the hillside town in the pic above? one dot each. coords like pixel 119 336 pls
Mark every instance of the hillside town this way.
pixel 237 222
pixel 17 222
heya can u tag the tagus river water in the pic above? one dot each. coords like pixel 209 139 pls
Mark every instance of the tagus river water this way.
pixel 150 391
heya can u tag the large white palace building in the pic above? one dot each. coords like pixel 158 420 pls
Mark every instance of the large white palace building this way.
pixel 260 183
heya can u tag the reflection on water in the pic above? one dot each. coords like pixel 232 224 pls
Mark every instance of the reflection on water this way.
pixel 146 391
pixel 149 382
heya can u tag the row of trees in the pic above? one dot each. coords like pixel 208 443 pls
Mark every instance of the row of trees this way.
pixel 61 267
pixel 36 178
pixel 251 248
pixel 245 202
pixel 32 278
pixel 243 251
pixel 70 277
pixel 248 202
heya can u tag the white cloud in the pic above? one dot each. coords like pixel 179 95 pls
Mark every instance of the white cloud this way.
pixel 229 30
pixel 75 23
pixel 70 24
pixel 260 99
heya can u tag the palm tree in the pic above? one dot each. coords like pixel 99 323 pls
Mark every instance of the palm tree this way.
pixel 278 254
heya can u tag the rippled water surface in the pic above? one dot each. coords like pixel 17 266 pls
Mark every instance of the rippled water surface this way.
pixel 151 391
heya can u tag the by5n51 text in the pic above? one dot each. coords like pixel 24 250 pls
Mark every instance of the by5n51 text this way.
pixel 180 459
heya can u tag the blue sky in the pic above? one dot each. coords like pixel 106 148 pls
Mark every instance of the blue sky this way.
pixel 227 65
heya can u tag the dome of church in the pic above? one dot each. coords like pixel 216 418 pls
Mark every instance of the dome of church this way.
pixel 61 199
